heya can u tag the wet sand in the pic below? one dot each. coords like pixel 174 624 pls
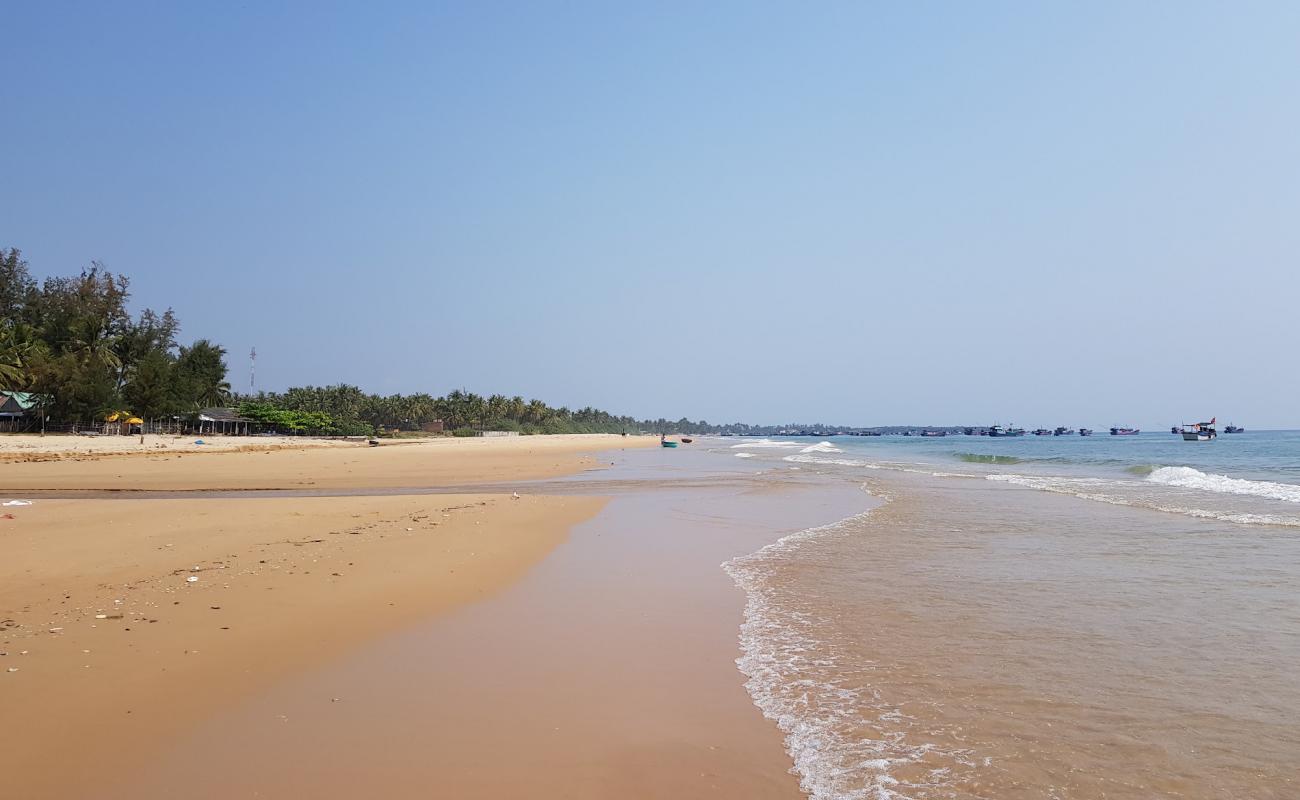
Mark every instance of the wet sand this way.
pixel 608 671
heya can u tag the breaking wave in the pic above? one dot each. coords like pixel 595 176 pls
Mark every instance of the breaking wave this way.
pixel 987 458
pixel 767 443
pixel 1188 478
pixel 821 447
pixel 1128 493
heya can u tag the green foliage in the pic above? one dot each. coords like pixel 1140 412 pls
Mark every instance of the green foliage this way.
pixel 73 339
pixel 464 432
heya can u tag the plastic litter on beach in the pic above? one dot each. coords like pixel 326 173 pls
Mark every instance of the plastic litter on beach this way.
pixel 192 579
pixel 16 503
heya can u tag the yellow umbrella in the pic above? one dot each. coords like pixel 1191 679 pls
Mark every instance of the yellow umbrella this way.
pixel 135 421
pixel 112 417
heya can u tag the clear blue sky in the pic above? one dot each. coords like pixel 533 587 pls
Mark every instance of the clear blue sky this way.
pixel 865 213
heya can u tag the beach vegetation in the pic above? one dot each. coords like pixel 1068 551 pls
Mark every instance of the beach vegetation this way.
pixel 74 341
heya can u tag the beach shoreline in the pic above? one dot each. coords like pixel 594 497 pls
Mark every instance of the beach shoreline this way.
pixel 608 670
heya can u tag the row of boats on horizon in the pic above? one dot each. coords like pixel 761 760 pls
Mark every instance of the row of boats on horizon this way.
pixel 1195 431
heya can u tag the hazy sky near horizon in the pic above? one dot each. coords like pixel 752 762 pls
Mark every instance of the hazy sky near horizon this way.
pixel 859 213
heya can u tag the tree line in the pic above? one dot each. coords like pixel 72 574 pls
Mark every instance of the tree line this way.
pixel 347 409
pixel 72 341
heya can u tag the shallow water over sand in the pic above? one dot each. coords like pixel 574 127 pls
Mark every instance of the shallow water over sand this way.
pixel 980 639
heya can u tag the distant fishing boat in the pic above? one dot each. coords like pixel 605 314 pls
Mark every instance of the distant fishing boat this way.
pixel 1233 429
pixel 934 433
pixel 1199 431
pixel 1124 431
pixel 1042 432
pixel 998 430
pixel 1062 431
pixel 1085 431
pixel 1175 429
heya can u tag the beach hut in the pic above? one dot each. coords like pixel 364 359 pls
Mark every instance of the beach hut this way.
pixel 212 421
pixel 17 409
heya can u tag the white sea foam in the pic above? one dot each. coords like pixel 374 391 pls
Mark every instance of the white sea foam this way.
pixel 1188 478
pixel 842 462
pixel 821 447
pixel 822 720
pixel 1131 493
pixel 744 455
pixel 768 443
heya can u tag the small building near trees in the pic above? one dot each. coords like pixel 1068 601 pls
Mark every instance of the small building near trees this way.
pixel 224 421
pixel 18 410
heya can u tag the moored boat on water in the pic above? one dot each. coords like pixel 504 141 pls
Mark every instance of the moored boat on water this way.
pixel 1125 431
pixel 998 430
pixel 1085 431
pixel 934 433
pixel 1233 429
pixel 1199 431
pixel 1062 431
pixel 1042 432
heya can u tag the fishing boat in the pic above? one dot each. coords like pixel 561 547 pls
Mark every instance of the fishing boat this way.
pixel 1124 431
pixel 667 443
pixel 1062 431
pixel 1199 431
pixel 1233 429
pixel 934 433
pixel 998 430
pixel 686 440
pixel 1042 432
pixel 1175 429
pixel 1085 431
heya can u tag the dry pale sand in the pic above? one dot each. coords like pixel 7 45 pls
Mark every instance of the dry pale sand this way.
pixel 109 649
pixel 329 464
pixel 29 447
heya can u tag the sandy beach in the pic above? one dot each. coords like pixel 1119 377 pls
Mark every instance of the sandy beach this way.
pixel 122 622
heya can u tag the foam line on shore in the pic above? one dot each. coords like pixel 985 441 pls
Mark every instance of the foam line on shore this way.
pixel 817 717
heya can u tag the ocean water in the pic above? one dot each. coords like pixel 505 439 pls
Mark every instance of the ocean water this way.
pixel 1041 617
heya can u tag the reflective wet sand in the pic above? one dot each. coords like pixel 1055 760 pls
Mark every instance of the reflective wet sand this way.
pixel 607 672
